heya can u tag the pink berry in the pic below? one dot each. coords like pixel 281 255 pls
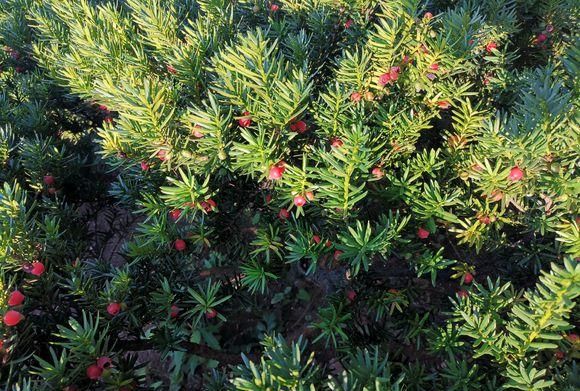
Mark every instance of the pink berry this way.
pixel 276 172
pixel 180 245
pixel 422 233
pixel 299 201
pixel 516 174
pixel 113 308
pixel 16 298
pixel 12 318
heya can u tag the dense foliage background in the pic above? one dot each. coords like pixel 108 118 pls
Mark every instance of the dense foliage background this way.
pixel 289 195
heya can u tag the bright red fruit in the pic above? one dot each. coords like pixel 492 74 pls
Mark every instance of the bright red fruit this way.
pixel 48 180
pixel 246 120
pixel 16 298
pixel 196 132
pixel 337 255
pixel 12 318
pixel 274 7
pixel 573 338
pixel 180 245
pixel 434 67
pixel 443 105
pixel 468 278
pixel 463 294
pixel 144 166
pixel 350 295
pixel 94 372
pixel 109 120
pixel 276 172
pixel 104 362
pixel 175 214
pixel 490 47
pixel 316 239
pixel 37 268
pixel 422 233
pixel 283 214
pixel 171 69
pixel 211 313
pixel 113 308
pixel 162 155
pixel 484 220
pixel 516 174
pixel 384 79
pixel 541 38
pixel 336 142
pixel 394 73
pixel 299 200
pixel 377 172
pixel 355 97
pixel 174 312
pixel 299 127
pixel 428 15
pixel 348 24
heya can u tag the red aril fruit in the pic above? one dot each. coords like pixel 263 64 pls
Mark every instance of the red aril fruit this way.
pixel 377 172
pixel 299 201
pixel 422 233
pixel 12 318
pixel 113 308
pixel 283 214
pixel 48 180
pixel 516 174
pixel 276 172
pixel 16 298
pixel 350 295
pixel 468 278
pixel 246 120
pixel 94 372
pixel 174 311
pixel 104 362
pixel 180 244
pixel 37 268
pixel 211 313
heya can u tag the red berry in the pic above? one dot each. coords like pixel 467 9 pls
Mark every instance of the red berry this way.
pixel 274 7
pixel 12 318
pixel 468 278
pixel 180 245
pixel 559 355
pixel 350 295
pixel 486 220
pixel 328 243
pixel 196 132
pixel 384 79
pixel 109 120
pixel 516 174
pixel 490 47
pixel 246 120
pixel 175 214
pixel 299 127
pixel 463 294
pixel 394 73
pixel 268 198
pixel 144 166
pixel 316 239
pixel 276 172
pixel 211 313
pixel 422 233
pixel 162 155
pixel 336 142
pixel 16 298
pixel 104 109
pixel 428 15
pixel 283 214
pixel 48 180
pixel 541 38
pixel 299 201
pixel 377 172
pixel 104 362
pixel 174 312
pixel 171 69
pixel 310 196
pixel 113 308
pixel 355 97
pixel 443 105
pixel 337 254
pixel 37 268
pixel 94 372
pixel 434 67
pixel 573 338
pixel 348 24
